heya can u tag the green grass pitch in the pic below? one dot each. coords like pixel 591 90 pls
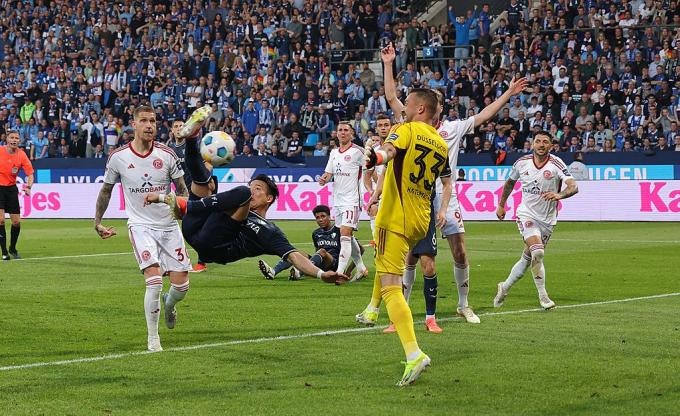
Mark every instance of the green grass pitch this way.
pixel 247 346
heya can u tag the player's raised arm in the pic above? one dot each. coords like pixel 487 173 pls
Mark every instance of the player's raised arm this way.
pixel 507 190
pixel 302 263
pixel 102 204
pixel 387 55
pixel 490 111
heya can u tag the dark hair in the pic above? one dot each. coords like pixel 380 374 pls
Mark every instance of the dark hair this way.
pixel 382 116
pixel 544 133
pixel 321 208
pixel 271 185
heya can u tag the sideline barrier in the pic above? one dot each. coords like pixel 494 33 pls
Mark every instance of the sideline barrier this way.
pixel 596 201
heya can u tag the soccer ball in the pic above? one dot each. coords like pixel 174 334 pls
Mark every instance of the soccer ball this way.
pixel 217 148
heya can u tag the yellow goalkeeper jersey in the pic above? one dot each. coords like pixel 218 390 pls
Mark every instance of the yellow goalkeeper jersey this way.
pixel 410 179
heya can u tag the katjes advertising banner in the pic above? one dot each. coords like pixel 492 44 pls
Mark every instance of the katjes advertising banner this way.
pixel 472 173
pixel 596 201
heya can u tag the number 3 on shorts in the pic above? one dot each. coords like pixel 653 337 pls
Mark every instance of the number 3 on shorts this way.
pixel 180 254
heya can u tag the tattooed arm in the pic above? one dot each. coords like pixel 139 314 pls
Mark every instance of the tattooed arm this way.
pixel 102 204
pixel 180 187
pixel 507 190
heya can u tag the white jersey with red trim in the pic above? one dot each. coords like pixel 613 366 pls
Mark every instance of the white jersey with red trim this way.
pixel 346 167
pixel 537 180
pixel 453 132
pixel 139 174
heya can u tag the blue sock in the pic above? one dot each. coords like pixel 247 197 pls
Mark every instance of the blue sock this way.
pixel 281 266
pixel 430 291
pixel 194 162
pixel 316 260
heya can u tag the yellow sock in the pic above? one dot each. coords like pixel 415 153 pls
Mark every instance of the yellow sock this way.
pixel 400 315
pixel 375 295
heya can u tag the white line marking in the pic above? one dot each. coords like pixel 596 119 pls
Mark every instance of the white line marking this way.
pixel 75 256
pixel 307 243
pixel 308 335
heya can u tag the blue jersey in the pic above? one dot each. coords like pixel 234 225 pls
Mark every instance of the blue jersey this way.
pixel 328 240
pixel 230 240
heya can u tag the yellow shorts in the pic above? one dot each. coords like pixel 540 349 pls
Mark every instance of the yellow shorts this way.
pixel 391 250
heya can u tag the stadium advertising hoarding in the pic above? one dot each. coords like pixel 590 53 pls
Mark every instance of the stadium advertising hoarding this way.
pixel 472 173
pixel 596 201
pixel 224 175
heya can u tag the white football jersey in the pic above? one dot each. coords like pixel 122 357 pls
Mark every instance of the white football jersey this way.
pixel 139 174
pixel 535 181
pixel 346 167
pixel 453 132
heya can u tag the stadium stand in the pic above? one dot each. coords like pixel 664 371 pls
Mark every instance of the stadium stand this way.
pixel 605 75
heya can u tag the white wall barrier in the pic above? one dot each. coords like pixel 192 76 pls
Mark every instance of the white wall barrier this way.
pixel 657 200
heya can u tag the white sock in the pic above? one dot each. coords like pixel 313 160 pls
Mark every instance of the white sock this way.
pixel 372 228
pixel 428 316
pixel 537 268
pixel 517 271
pixel 345 253
pixel 356 255
pixel 152 304
pixel 372 308
pixel 413 355
pixel 461 272
pixel 176 294
pixel 408 278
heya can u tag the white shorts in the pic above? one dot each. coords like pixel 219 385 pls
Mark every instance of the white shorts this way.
pixel 163 247
pixel 530 227
pixel 347 216
pixel 454 218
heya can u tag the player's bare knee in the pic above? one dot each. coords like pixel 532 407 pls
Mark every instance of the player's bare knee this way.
pixel 411 260
pixel 179 278
pixel 427 263
pixel 153 270
pixel 537 253
pixel 346 231
pixel 459 254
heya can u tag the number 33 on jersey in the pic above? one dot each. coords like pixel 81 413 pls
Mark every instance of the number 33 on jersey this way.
pixel 410 178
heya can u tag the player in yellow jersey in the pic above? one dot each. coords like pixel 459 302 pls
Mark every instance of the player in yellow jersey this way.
pixel 418 156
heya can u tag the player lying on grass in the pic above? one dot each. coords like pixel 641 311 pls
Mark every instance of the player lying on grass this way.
pixel 326 241
pixel 230 226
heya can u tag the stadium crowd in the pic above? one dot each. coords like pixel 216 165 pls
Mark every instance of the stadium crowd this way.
pixel 605 75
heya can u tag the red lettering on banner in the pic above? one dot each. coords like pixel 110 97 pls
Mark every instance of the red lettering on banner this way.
pixel 674 205
pixel 461 191
pixel 40 201
pixel 485 201
pixel 286 200
pixel 307 200
pixel 649 197
pixel 324 196
pixel 53 200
